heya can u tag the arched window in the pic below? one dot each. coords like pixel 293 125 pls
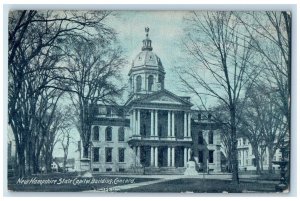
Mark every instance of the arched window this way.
pixel 209 116
pixel 96 133
pixel 121 134
pixel 161 81
pixel 108 134
pixel 138 83
pixel 199 116
pixel 210 137
pixel 130 83
pixel 200 137
pixel 150 82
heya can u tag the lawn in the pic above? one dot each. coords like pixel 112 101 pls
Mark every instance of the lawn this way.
pixel 204 186
pixel 69 183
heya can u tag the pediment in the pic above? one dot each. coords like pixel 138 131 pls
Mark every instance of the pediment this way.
pixel 164 97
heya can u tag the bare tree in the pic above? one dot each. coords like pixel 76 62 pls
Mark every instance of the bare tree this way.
pixel 223 62
pixel 271 35
pixel 251 126
pixel 264 124
pixel 33 57
pixel 65 143
pixel 93 76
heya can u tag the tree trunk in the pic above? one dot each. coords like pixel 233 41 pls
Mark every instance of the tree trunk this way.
pixel 21 162
pixel 36 167
pixel 270 159
pixel 65 161
pixel 257 159
pixel 234 161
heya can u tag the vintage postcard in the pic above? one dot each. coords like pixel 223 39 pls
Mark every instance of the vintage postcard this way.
pixel 149 101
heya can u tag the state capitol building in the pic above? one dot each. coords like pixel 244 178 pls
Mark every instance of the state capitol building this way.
pixel 155 131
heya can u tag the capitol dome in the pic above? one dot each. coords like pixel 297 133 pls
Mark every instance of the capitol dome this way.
pixel 147 72
pixel 147 59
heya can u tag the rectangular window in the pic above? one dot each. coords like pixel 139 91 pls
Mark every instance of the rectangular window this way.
pixel 108 154
pixel 211 156
pixel 200 138
pixel 121 135
pixel 96 154
pixel 121 155
pixel 96 133
pixel 121 170
pixel 108 111
pixel 95 169
pixel 108 134
pixel 200 156
pixel 210 137
pixel 108 170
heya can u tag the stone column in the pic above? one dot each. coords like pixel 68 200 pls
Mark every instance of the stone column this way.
pixel 169 156
pixel 189 154
pixel 152 123
pixel 185 125
pixel 131 120
pixel 134 122
pixel 189 125
pixel 152 156
pixel 138 153
pixel 156 123
pixel 173 157
pixel 169 124
pixel 173 124
pixel 135 154
pixel 218 159
pixel 185 156
pixel 139 122
pixel 156 156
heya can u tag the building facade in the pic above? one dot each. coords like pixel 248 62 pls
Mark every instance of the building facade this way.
pixel 246 157
pixel 155 131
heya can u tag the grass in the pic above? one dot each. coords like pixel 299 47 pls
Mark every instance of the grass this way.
pixel 204 186
pixel 107 184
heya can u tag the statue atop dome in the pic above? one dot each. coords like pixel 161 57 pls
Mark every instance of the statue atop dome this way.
pixel 147 31
pixel 147 42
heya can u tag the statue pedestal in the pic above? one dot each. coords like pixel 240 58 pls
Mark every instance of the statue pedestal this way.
pixel 85 170
pixel 191 168
pixel 85 164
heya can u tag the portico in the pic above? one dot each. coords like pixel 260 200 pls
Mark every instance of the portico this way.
pixel 157 124
pixel 162 156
